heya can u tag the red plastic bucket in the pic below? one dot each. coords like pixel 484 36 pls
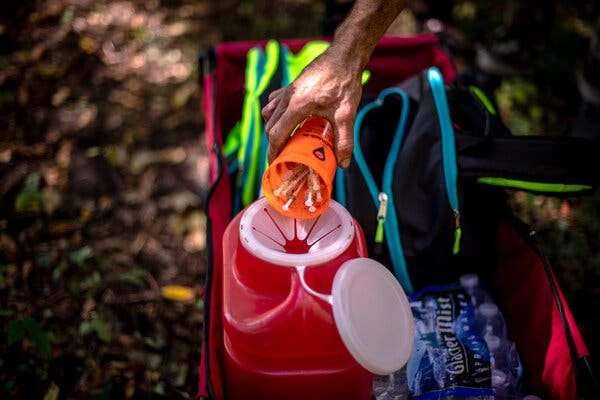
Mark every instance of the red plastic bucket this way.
pixel 284 338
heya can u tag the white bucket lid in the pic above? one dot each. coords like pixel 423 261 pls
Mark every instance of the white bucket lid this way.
pixel 264 232
pixel 372 315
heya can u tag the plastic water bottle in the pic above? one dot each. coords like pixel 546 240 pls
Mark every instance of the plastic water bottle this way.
pixel 491 321
pixel 391 387
pixel 506 367
pixel 506 364
pixel 381 384
pixel 505 355
pixel 503 385
pixel 472 285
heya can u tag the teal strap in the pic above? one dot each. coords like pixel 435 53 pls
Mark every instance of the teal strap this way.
pixel 438 90
pixel 340 189
pixel 390 224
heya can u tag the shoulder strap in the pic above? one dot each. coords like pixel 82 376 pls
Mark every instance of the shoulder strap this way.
pixel 378 218
pixel 550 165
pixel 488 153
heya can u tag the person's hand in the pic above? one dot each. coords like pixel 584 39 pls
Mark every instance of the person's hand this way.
pixel 330 86
pixel 327 87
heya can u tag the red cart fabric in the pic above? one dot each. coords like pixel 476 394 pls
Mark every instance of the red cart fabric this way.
pixel 536 321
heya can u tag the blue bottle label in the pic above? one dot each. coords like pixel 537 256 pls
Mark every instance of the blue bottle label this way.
pixel 450 356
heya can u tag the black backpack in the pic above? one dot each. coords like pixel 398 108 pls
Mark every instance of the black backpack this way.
pixel 439 156
pixel 426 184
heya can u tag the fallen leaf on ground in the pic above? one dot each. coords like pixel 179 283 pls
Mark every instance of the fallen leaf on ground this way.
pixel 177 293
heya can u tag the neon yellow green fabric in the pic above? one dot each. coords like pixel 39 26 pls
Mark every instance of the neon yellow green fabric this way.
pixel 379 232
pixel 257 81
pixel 247 137
pixel 457 236
pixel 534 186
pixel 297 62
pixel 484 99
pixel 232 142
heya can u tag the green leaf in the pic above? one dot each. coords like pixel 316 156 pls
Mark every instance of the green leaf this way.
pixel 159 388
pixel 43 260
pixel 96 325
pixel 58 271
pixel 105 394
pixel 134 276
pixel 3 268
pixel 155 344
pixel 67 16
pixel 74 286
pixel 30 198
pixel 6 313
pixel 16 331
pixel 38 336
pixel 80 256
pixel 91 281
pixel 6 95
pixel 52 392
pixel 32 181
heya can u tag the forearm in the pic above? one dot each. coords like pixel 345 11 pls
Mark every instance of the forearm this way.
pixel 356 38
pixel 330 86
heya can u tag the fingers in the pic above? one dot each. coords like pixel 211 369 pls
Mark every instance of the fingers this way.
pixel 331 98
pixel 280 131
pixel 271 113
pixel 267 111
pixel 344 144
pixel 281 118
pixel 274 100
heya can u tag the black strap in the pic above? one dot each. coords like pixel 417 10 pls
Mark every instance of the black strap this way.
pixel 559 160
pixel 588 386
pixel 486 149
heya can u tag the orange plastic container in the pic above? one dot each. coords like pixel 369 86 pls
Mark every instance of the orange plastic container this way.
pixel 281 342
pixel 298 183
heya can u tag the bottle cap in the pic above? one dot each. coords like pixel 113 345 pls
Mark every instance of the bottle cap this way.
pixel 499 378
pixel 493 342
pixel 488 310
pixel 298 183
pixel 469 281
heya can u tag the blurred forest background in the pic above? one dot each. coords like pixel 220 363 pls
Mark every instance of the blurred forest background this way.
pixel 103 176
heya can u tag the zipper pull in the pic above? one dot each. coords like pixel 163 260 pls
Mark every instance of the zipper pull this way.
pixel 381 215
pixel 457 232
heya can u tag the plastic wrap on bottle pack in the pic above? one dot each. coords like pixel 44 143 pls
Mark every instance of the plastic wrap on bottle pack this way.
pixel 490 320
pixel 445 316
pixel 472 285
pixel 450 358
pixel 506 367
pixel 391 387
pixel 505 360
